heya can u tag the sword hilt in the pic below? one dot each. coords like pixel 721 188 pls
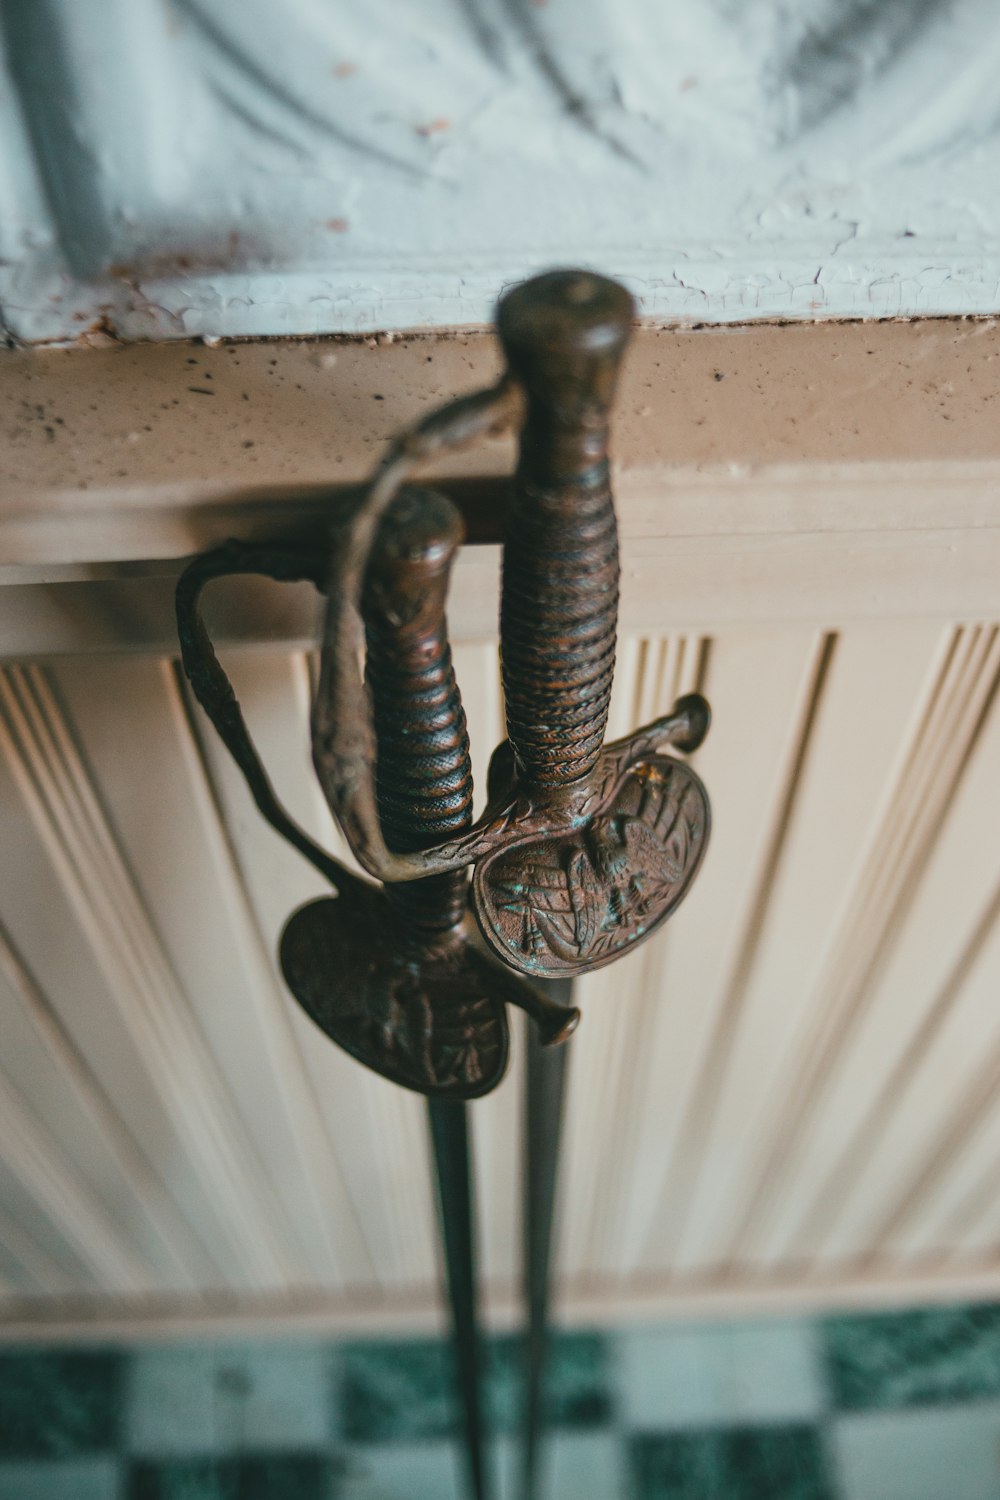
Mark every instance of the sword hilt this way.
pixel 423 771
pixel 564 335
pixel 423 767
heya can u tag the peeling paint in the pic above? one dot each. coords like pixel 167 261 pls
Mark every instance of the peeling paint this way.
pixel 307 169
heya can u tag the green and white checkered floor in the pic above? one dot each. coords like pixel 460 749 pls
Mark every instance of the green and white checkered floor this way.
pixel 901 1406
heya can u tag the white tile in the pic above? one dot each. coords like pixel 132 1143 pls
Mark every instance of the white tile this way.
pixel 72 1479
pixel 927 1454
pixel 274 1397
pixel 223 1399
pixel 170 1406
pixel 584 1466
pixel 417 1471
pixel 685 1376
pixel 574 1466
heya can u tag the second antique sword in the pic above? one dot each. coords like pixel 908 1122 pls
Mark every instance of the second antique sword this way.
pixel 584 848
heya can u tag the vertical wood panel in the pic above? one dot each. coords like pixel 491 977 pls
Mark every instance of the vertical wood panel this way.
pixel 37 1260
pixel 82 852
pixel 916 1000
pixel 771 682
pixel 375 1132
pixel 799 1076
pixel 180 860
pixel 604 1106
pixel 34 1158
pixel 41 1056
pixel 851 743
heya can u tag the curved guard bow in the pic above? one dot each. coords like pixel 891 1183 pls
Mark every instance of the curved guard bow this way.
pixel 584 847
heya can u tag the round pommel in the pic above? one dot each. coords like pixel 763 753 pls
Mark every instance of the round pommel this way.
pixel 564 334
pixel 408 572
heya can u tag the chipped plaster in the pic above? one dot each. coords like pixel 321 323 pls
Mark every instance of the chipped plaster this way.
pixel 232 167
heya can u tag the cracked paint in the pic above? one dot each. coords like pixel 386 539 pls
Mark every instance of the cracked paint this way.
pixel 304 169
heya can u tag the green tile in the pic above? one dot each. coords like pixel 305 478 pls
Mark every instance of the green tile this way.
pixel 92 1478
pixel 393 1391
pixel 748 1463
pixel 396 1391
pixel 288 1476
pixel 56 1403
pixel 573 1465
pixel 275 1476
pixel 929 1357
pixel 578 1381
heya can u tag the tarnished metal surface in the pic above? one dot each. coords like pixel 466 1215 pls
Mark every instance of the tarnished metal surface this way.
pixel 389 974
pixel 392 976
pixel 396 987
pixel 564 904
pixel 583 849
pixel 423 762
pixel 564 335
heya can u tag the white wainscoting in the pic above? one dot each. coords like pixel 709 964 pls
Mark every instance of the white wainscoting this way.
pixel 790 1096
pixel 791 1093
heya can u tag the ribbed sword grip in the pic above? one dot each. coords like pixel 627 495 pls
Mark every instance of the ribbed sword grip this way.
pixel 423 766
pixel 564 335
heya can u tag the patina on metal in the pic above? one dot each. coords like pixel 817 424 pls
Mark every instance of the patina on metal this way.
pixel 584 848
pixel 394 975
pixel 391 974
pixel 544 1097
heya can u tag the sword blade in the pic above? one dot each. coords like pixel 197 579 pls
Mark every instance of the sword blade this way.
pixel 449 1126
pixel 545 1091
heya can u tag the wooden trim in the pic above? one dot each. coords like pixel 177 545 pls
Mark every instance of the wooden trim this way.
pixel 776 473
pixel 880 1288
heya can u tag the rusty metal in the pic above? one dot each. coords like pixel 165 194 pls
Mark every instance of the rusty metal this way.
pixel 544 1097
pixel 584 847
pixel 389 976
pixel 393 975
pixel 453 1167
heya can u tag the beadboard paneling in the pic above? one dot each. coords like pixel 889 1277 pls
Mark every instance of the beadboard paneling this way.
pixel 795 1086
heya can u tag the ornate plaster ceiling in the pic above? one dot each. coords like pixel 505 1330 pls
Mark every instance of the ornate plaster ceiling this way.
pixel 179 167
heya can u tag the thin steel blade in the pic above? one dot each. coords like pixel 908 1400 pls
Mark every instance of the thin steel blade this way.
pixel 545 1090
pixel 449 1124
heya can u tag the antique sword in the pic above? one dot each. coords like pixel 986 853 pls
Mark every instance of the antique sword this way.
pixel 583 849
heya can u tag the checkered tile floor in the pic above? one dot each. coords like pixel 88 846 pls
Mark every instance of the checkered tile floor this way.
pixel 902 1406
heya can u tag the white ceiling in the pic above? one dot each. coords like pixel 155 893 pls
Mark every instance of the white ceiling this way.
pixel 226 167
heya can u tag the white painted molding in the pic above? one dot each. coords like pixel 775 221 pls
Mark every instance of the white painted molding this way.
pixel 594 1304
pixel 946 724
pixel 36 1265
pixel 339 1254
pixel 768 475
pixel 845 999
